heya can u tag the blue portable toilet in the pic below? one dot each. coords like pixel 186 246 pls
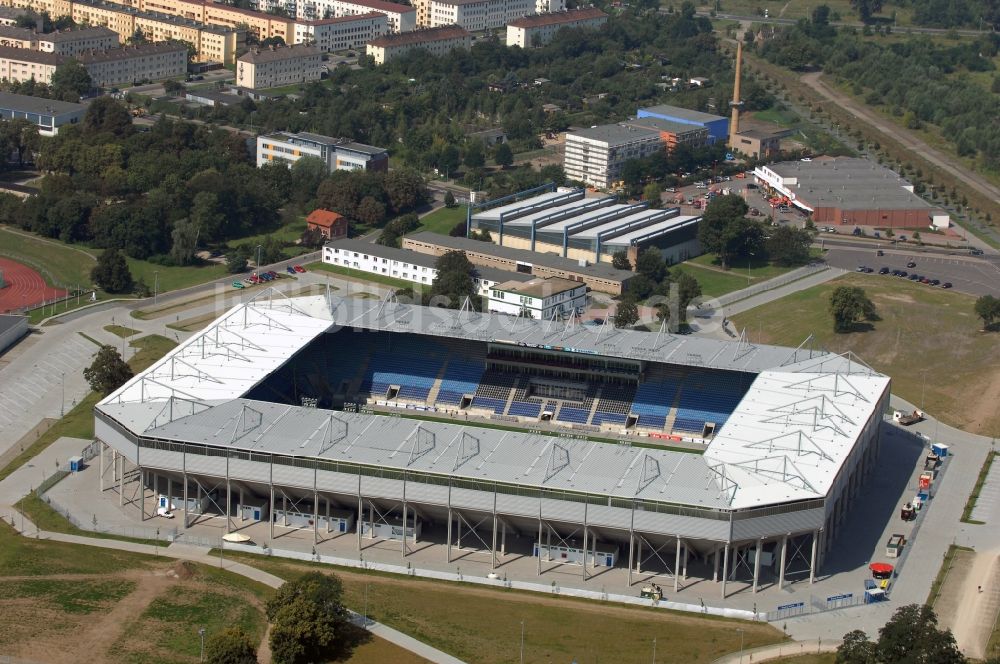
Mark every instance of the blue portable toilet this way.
pixel 940 449
pixel 75 464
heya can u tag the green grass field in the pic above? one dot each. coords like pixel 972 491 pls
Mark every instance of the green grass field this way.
pixel 79 421
pixel 443 219
pixel 454 617
pixel 364 276
pixel 929 341
pixel 168 278
pixel 715 281
pixel 62 265
pixel 22 556
pixel 121 331
pixel 287 234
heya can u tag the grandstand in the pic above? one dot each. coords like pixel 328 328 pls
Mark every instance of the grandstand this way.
pixel 248 410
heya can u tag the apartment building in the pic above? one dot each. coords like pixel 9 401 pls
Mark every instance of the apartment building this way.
pixel 339 154
pixel 532 31
pixel 431 13
pixel 400 17
pixel 9 15
pixel 14 37
pixel 18 65
pixel 596 155
pixel 277 66
pixel 132 64
pixel 438 41
pixel 74 42
pixel 341 34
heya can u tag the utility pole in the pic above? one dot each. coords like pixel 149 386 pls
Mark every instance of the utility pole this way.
pixel 522 622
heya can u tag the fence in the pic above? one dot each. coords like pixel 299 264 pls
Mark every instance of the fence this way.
pixel 771 284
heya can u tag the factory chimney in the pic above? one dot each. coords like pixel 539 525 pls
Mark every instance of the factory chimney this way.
pixel 736 104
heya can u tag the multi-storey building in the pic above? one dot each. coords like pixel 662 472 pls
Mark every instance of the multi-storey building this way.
pixel 596 155
pixel 277 66
pixel 22 64
pixel 542 298
pixel 126 65
pixel 341 34
pixel 530 31
pixel 73 42
pixel 480 14
pixel 401 18
pixel 14 37
pixel 438 41
pixel 339 154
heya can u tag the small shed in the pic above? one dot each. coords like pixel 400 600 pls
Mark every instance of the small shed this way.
pixel 75 464
pixel 332 225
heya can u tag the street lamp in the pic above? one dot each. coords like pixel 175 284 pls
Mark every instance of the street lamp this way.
pixel 201 633
pixel 156 284
pixel 259 247
pixel 62 402
pixel 522 622
pixel 365 618
pixel 741 644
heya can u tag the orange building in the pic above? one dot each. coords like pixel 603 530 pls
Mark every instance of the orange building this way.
pixel 333 226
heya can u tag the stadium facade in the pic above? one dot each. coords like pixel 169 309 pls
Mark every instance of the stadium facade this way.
pixel 240 420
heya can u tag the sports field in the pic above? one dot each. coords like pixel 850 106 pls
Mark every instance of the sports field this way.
pixel 928 340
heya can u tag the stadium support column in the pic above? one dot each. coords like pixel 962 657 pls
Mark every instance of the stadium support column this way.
pixel 677 564
pixel 539 546
pixel 120 459
pixel 784 554
pixel 270 507
pixel 631 544
pixel 184 479
pixel 687 554
pixel 229 498
pixel 361 512
pixel 715 563
pixel 585 541
pixel 448 548
pixel 403 547
pixel 493 549
pixel 812 557
pixel 725 569
pixel 100 462
pixel 315 506
pixel 756 563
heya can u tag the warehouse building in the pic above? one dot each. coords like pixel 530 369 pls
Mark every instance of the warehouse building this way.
pixel 570 224
pixel 600 277
pixel 436 41
pixel 339 154
pixel 846 191
pixel 47 114
pixel 717 126
pixel 412 266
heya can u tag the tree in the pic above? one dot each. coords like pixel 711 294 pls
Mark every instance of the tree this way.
pixel 987 308
pixel 230 646
pixel 449 199
pixel 619 260
pixel 184 242
pixel 911 635
pixel 789 246
pixel 650 265
pixel 474 157
pixel 627 313
pixel 111 272
pixel 455 279
pixel 866 8
pixel 651 193
pixel 856 649
pixel 106 115
pixel 312 238
pixel 688 289
pixel 371 212
pixel 849 304
pixel 236 260
pixel 719 231
pixel 309 622
pixel 108 371
pixel 393 232
pixel 207 215
pixel 70 80
pixel 503 156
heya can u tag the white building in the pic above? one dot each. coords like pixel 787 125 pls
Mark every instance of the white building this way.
pixel 539 29
pixel 275 67
pixel 539 298
pixel 437 41
pixel 343 33
pixel 339 154
pixel 596 155
pixel 479 15
pixel 400 17
pixel 406 265
pixel 74 42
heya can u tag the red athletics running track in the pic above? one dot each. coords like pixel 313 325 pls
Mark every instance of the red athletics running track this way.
pixel 25 287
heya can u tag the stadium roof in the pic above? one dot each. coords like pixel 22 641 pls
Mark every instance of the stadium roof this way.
pixel 786 440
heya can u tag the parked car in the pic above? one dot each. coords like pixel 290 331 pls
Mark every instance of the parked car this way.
pixel 861 268
pixel 290 270
pixel 248 281
pixel 273 274
pixel 975 251
pixel 935 282
pixel 298 268
pixel 903 273
pixel 911 264
pixel 880 253
pixel 238 284
pixel 914 277
pixel 884 270
pixel 946 284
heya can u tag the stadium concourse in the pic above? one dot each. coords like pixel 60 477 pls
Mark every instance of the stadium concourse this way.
pixel 265 420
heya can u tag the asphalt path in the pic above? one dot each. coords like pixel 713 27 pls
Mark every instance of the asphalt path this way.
pixel 973 276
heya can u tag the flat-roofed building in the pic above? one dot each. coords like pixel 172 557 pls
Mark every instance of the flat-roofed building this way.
pixel 718 126
pixel 133 64
pixel 758 143
pixel 543 298
pixel 595 156
pixel 531 31
pixel 847 191
pixel 47 114
pixel 339 154
pixel 74 42
pixel 437 41
pixel 278 66
pixel 343 33
pixel 672 133
pixel 400 17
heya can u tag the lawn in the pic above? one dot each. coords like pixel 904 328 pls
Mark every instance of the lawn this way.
pixel 287 234
pixel 715 281
pixel 442 220
pixel 483 625
pixel 60 264
pixel 168 278
pixel 79 422
pixel 380 651
pixel 121 331
pixel 22 556
pixel 928 340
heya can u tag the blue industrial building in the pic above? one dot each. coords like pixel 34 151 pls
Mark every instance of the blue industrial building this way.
pixel 718 126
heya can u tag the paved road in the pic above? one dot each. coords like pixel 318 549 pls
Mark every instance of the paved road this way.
pixel 968 275
pixel 905 138
pixel 777 20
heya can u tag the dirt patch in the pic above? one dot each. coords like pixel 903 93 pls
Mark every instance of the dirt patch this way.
pixel 978 602
pixel 894 297
pixel 183 570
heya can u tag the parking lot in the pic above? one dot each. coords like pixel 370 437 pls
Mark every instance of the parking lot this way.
pixel 752 195
pixel 966 274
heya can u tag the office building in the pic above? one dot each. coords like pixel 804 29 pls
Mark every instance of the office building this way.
pixel 542 298
pixel 595 156
pixel 339 154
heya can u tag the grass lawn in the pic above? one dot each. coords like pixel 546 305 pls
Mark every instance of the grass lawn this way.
pixel 287 234
pixel 443 219
pixel 483 625
pixel 61 264
pixel 929 341
pixel 22 556
pixel 79 422
pixel 715 283
pixel 364 276
pixel 814 658
pixel 174 277
pixel 121 331
pixel 380 651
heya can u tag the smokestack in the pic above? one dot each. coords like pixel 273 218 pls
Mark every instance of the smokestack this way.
pixel 736 103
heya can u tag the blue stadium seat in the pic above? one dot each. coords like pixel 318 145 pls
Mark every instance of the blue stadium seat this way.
pixel 524 408
pixel 574 415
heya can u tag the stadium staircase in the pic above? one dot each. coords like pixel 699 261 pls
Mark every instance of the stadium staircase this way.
pixel 668 425
pixel 436 387
pixel 597 401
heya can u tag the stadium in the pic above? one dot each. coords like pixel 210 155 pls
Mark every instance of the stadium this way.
pixel 539 439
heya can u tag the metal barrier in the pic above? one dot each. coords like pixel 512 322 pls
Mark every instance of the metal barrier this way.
pixel 771 284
